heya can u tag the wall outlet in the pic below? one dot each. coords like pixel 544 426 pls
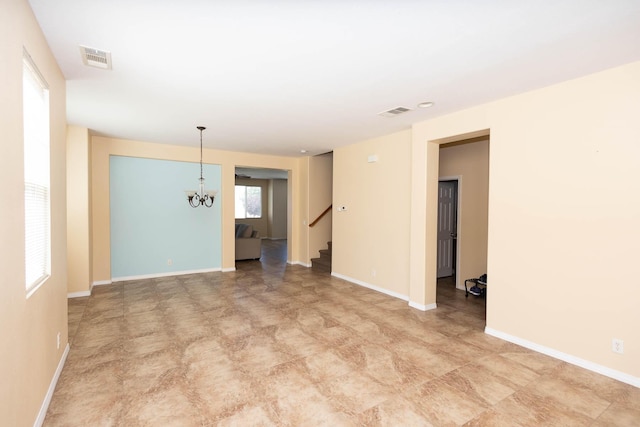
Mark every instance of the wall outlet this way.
pixel 169 261
pixel 58 341
pixel 617 346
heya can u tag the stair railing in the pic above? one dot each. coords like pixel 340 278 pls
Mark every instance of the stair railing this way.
pixel 326 211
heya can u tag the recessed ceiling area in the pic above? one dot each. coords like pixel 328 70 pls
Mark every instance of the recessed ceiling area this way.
pixel 261 173
pixel 274 76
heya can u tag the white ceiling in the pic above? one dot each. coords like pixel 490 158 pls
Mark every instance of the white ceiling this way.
pixel 279 76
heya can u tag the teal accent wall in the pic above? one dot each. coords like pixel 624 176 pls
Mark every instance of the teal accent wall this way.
pixel 152 222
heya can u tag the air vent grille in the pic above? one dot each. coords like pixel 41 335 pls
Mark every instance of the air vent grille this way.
pixel 96 57
pixel 394 112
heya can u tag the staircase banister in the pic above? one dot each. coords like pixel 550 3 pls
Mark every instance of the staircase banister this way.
pixel 315 221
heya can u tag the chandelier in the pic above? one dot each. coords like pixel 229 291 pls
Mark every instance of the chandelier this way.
pixel 201 197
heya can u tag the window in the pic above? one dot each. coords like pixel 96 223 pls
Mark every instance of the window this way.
pixel 35 98
pixel 248 201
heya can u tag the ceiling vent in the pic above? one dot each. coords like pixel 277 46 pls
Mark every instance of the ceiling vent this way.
pixel 394 112
pixel 95 58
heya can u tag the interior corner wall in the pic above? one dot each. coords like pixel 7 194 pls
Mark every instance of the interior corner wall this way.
pixel 320 198
pixel 78 216
pixel 563 224
pixel 278 209
pixel 29 356
pixel 372 181
pixel 299 186
pixel 470 162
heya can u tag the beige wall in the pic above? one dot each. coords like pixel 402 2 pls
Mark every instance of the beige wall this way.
pixel 78 211
pixel 470 162
pixel 28 355
pixel 299 213
pixel 102 148
pixel 320 198
pixel 278 209
pixel 564 219
pixel 371 237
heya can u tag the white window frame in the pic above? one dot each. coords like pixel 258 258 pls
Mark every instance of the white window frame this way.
pixel 245 207
pixel 37 180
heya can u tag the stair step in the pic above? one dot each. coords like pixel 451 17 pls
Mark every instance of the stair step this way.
pixel 320 267
pixel 321 261
pixel 324 262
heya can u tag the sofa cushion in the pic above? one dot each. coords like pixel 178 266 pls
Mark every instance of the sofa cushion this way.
pixel 243 231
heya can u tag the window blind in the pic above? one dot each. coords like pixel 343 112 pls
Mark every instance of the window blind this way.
pixel 36 175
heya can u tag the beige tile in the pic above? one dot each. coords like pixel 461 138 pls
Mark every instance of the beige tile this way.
pixel 274 344
pixel 168 406
pixel 257 353
pixel 325 365
pixel 621 415
pixel 509 371
pixel 442 404
pixel 531 411
pixel 427 358
pixel 147 344
pixel 295 341
pixel 396 411
pixel 249 416
pixel 493 419
pixel 479 385
pixel 577 399
pixel 537 362
pixel 96 409
pixel 150 372
pixel 605 388
pixel 355 392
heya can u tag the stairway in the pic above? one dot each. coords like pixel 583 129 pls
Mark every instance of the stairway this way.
pixel 323 263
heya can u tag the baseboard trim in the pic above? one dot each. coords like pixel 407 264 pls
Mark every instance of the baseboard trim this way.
pixel 157 275
pixel 591 366
pixel 228 270
pixel 52 386
pixel 370 286
pixel 79 294
pixel 101 283
pixel 422 307
pixel 299 263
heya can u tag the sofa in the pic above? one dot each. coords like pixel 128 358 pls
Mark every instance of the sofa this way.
pixel 248 242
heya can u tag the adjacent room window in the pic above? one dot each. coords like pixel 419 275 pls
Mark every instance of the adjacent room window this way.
pixel 35 94
pixel 248 201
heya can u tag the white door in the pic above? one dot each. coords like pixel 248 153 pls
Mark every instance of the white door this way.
pixel 447 199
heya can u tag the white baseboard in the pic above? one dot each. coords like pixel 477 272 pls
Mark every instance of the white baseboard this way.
pixel 101 283
pixel 52 386
pixel 79 294
pixel 304 264
pixel 228 270
pixel 370 286
pixel 423 307
pixel 169 274
pixel 591 366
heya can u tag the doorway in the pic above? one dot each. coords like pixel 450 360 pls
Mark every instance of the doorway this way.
pixel 272 206
pixel 447 227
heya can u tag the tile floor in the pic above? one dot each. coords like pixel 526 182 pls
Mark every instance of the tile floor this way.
pixel 278 345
